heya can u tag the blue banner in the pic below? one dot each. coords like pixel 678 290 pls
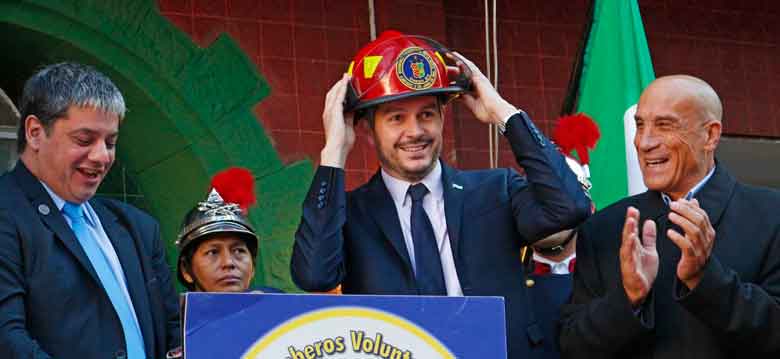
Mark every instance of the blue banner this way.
pixel 308 326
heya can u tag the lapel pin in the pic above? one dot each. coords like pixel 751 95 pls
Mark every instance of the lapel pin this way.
pixel 457 186
pixel 43 209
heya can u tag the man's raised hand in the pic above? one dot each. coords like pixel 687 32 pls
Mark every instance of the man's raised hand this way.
pixel 339 127
pixel 484 101
pixel 638 258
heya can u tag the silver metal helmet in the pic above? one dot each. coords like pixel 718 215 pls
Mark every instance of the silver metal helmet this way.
pixel 214 215
pixel 582 172
pixel 211 216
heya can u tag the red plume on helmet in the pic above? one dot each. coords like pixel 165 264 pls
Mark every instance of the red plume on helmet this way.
pixel 576 132
pixel 236 185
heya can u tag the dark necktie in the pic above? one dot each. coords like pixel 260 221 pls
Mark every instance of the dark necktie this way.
pixel 429 275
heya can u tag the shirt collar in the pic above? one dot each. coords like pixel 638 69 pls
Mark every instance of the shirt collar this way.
pixel 551 263
pixel 398 187
pixel 59 202
pixel 693 190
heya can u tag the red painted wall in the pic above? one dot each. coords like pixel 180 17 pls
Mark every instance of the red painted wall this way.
pixel 301 47
pixel 733 45
pixel 537 44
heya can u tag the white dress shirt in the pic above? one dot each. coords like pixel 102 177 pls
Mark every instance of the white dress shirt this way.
pixel 97 232
pixel 561 267
pixel 433 203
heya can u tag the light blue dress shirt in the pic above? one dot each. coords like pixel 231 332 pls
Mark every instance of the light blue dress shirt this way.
pixel 693 190
pixel 97 232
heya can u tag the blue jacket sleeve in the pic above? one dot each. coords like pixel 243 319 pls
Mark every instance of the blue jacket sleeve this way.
pixel 317 262
pixel 550 198
pixel 170 299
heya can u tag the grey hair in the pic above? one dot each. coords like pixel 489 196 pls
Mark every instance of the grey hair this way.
pixel 50 92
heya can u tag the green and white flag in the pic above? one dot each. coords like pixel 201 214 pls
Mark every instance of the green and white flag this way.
pixel 616 67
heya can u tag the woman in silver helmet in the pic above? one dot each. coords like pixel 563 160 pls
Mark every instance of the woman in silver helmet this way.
pixel 218 246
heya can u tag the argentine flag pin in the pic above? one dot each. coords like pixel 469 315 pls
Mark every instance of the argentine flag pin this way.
pixel 457 186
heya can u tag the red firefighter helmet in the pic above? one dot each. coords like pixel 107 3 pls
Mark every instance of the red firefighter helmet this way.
pixel 397 66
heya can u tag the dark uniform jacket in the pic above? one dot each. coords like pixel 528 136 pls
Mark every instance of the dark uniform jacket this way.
pixel 548 293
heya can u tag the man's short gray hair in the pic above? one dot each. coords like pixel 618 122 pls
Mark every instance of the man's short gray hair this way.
pixel 50 92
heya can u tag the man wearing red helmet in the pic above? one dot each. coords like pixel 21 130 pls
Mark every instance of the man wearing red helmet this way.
pixel 420 227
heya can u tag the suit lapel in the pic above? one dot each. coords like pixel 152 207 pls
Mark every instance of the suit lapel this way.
pixel 668 252
pixel 381 207
pixel 125 248
pixel 716 193
pixel 651 206
pixel 713 198
pixel 51 216
pixel 454 195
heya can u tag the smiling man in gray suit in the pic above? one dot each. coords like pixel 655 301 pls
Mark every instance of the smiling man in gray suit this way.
pixel 80 277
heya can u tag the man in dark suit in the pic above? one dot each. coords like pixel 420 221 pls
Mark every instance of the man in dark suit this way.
pixel 420 227
pixel 80 277
pixel 703 278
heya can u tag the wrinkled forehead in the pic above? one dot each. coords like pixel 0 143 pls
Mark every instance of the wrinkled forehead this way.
pixel 681 94
pixel 669 102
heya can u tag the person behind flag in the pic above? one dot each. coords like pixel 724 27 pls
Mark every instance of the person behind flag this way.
pixel 217 244
pixel 613 67
pixel 80 276
pixel 689 268
pixel 420 227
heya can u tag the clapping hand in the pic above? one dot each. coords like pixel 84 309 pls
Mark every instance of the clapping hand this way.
pixel 638 258
pixel 696 242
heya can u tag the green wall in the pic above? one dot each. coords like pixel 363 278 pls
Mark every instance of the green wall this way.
pixel 189 111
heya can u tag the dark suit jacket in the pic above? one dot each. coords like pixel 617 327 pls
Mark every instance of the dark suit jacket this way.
pixel 355 239
pixel 51 302
pixel 734 311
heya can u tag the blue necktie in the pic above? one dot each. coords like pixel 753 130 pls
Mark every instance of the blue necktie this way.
pixel 133 338
pixel 428 272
